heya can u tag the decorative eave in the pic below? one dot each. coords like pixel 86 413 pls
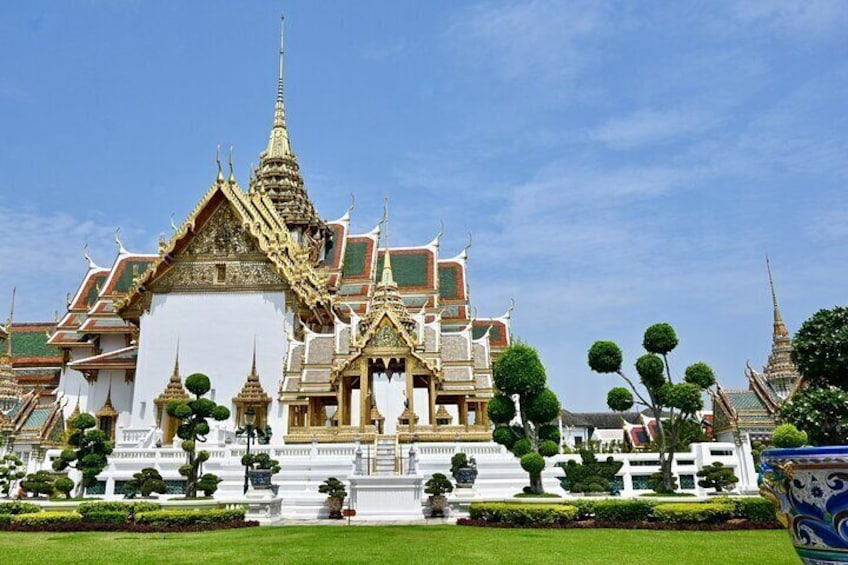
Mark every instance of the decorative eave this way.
pixel 273 238
pixel 124 358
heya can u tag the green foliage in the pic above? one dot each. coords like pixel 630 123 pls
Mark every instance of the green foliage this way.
pixel 718 477
pixel 822 412
pixel 787 435
pixel 548 448
pixel 605 357
pixel 693 512
pixel 46 519
pixel 333 488
pixel 438 485
pixel 64 485
pixel 38 483
pixel 522 447
pixel 660 486
pixel 607 511
pixel 11 470
pixel 820 348
pixel 523 514
pixel 519 371
pixel 175 518
pixel 619 399
pixel 660 339
pixel 651 369
pixel 459 461
pixel 129 509
pixel 542 408
pixel 501 409
pixel 591 475
pixel 194 426
pixel 88 450
pixel 145 482
pixel 754 509
pixel 504 436
pixel 549 432
pixel 106 517
pixel 261 461
pixel 685 397
pixel 700 374
pixel 13 508
pixel 533 463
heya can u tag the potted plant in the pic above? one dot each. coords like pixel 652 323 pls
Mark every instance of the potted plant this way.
pixel 261 469
pixel 437 486
pixel 808 485
pixel 463 470
pixel 336 493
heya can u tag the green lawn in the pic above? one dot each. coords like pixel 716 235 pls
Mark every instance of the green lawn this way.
pixel 402 544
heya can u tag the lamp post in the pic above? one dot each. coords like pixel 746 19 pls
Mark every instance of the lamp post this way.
pixel 249 419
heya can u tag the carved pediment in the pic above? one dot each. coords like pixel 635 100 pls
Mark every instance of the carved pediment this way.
pixel 385 336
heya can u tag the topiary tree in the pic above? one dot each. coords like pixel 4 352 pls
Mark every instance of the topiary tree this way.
pixel 820 351
pixel 261 461
pixel 671 404
pixel 88 450
pixel 38 483
pixel 591 476
pixel 194 417
pixel 718 477
pixel 145 482
pixel 787 435
pixel 520 378
pixel 64 485
pixel 11 470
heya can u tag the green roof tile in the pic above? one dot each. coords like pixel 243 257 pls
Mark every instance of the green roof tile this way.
pixel 449 281
pixel 408 269
pixel 31 344
pixel 354 261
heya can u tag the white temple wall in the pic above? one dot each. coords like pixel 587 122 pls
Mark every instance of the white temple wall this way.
pixel 74 388
pixel 216 333
pixel 121 394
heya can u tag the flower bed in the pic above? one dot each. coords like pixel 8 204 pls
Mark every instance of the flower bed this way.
pixel 721 514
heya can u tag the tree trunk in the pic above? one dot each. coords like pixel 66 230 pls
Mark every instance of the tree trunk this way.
pixel 536 484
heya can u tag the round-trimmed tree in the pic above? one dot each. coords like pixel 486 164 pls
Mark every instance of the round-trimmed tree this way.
pixel 88 450
pixel 11 470
pixel 194 426
pixel 520 379
pixel 670 403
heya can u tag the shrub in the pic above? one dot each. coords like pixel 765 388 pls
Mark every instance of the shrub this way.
pixel 693 512
pixel 622 510
pixel 787 435
pixel 754 509
pixel 13 508
pixel 46 519
pixel 5 519
pixel 717 476
pixel 176 518
pixel 129 509
pixel 438 485
pixel 106 517
pixel 523 514
pixel 145 482
pixel 591 475
pixel 40 482
pixel 64 485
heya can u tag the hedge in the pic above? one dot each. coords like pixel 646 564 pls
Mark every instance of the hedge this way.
pixel 128 509
pixel 5 519
pixel 176 518
pixel 106 517
pixel 46 519
pixel 12 508
pixel 622 510
pixel 757 510
pixel 693 512
pixel 523 514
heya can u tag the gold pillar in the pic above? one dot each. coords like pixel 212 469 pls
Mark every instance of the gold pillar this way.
pixel 463 412
pixel 484 406
pixel 309 412
pixel 410 391
pixel 431 389
pixel 364 408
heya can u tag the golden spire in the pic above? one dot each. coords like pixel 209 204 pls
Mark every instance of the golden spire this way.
pixel 779 327
pixel 232 177
pixel 9 325
pixel 386 279
pixel 176 374
pixel 279 144
pixel 253 375
pixel 218 162
pixel 174 390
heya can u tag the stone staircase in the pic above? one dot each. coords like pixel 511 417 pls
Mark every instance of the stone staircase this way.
pixel 385 453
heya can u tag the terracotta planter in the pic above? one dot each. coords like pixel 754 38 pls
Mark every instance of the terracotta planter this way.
pixel 438 505
pixel 335 504
pixel 809 489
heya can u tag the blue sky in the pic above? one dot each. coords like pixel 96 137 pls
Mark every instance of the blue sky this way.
pixel 618 165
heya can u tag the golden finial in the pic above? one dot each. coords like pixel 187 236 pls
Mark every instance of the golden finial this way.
pixel 173 225
pixel 779 327
pixel 253 365
pixel 9 323
pixel 218 161
pixel 386 279
pixel 232 178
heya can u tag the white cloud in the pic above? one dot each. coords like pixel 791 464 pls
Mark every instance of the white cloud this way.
pixel 650 126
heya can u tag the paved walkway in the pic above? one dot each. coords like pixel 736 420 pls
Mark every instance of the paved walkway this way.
pixel 359 522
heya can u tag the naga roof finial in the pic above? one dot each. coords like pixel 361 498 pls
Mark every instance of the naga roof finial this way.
pixel 121 249
pixel 232 178
pixel 218 161
pixel 87 257
pixel 173 225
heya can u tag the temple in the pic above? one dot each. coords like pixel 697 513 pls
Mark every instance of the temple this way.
pixel 330 336
pixel 753 412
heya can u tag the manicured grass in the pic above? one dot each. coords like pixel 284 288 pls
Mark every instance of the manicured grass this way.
pixel 426 545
